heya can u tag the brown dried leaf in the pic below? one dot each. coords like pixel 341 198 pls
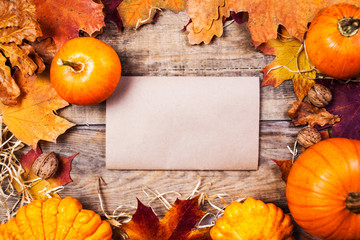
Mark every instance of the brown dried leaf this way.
pixel 303 113
pixel 9 91
pixel 46 49
pixel 17 23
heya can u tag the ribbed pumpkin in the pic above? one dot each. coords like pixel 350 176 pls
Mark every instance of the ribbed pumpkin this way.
pixel 55 219
pixel 252 220
pixel 323 189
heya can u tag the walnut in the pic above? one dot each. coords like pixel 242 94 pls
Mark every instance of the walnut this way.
pixel 319 95
pixel 46 165
pixel 308 136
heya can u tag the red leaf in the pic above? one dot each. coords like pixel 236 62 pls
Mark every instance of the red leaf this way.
pixel 285 166
pixel 28 159
pixel 178 223
pixel 346 103
pixel 112 14
pixel 62 177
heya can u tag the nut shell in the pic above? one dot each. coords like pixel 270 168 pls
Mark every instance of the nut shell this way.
pixel 319 95
pixel 46 165
pixel 308 136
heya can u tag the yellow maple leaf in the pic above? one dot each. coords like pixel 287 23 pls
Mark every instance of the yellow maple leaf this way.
pixel 135 13
pixel 290 63
pixel 33 118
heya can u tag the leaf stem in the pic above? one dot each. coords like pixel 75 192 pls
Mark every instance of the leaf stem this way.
pixel 75 66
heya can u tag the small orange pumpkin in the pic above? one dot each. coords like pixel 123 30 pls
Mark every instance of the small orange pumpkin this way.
pixel 323 189
pixel 85 71
pixel 55 218
pixel 252 220
pixel 333 41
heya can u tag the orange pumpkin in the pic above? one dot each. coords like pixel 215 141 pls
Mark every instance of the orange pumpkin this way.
pixel 333 41
pixel 252 220
pixel 323 189
pixel 85 71
pixel 55 218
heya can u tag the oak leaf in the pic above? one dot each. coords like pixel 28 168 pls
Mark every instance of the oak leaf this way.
pixel 178 223
pixel 303 113
pixel 205 31
pixel 266 16
pixel 17 23
pixel 346 103
pixel 33 118
pixel 39 187
pixel 62 20
pixel 290 63
pixel 135 13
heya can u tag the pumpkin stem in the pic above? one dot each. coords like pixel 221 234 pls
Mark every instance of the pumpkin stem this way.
pixel 352 202
pixel 348 26
pixel 75 66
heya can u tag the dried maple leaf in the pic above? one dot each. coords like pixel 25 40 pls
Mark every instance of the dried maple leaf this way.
pixel 46 49
pixel 33 117
pixel 111 12
pixel 17 23
pixel 135 13
pixel 266 16
pixel 284 166
pixel 62 20
pixel 290 63
pixel 303 113
pixel 39 187
pixel 346 103
pixel 178 223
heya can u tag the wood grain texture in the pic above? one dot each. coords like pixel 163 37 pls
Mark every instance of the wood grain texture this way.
pixel 162 49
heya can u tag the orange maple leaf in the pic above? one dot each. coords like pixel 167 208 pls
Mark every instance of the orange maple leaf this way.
pixel 33 117
pixel 178 223
pixel 290 63
pixel 135 13
pixel 62 20
pixel 266 16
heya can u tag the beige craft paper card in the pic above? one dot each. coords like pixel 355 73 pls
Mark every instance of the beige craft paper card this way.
pixel 206 123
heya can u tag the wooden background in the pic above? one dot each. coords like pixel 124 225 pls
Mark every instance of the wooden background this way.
pixel 162 49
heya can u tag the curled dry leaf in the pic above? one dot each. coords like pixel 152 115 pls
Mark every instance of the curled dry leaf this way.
pixel 17 23
pixel 135 13
pixel 111 13
pixel 303 113
pixel 284 166
pixel 178 223
pixel 62 20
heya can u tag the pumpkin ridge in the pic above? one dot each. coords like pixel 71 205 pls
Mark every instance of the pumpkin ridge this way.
pixel 357 181
pixel 316 175
pixel 330 166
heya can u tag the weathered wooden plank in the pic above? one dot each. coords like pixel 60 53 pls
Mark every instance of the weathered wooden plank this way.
pixel 124 186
